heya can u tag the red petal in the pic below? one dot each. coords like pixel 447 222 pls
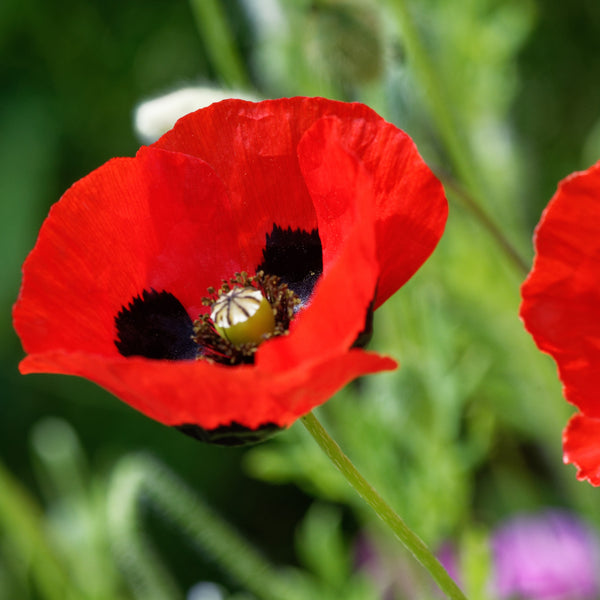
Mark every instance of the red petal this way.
pixel 342 193
pixel 195 392
pixel 581 447
pixel 561 296
pixel 252 147
pixel 410 203
pixel 113 235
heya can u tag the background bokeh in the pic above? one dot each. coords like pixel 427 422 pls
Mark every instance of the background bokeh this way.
pixel 503 100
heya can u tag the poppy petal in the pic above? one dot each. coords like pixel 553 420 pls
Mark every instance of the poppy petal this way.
pixel 561 296
pixel 581 447
pixel 111 237
pixel 264 136
pixel 342 194
pixel 212 395
pixel 410 204
pixel 265 185
pixel 561 308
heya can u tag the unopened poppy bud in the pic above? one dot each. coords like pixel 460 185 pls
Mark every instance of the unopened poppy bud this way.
pixel 243 316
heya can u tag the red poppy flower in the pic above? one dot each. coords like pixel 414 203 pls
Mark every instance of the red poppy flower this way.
pixel 561 308
pixel 326 196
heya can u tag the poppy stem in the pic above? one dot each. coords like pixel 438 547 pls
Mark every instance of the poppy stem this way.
pixel 411 540
pixel 451 131
pixel 220 42
pixel 486 222
pixel 139 480
pixel 437 98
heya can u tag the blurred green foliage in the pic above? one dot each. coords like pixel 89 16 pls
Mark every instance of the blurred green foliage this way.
pixel 465 433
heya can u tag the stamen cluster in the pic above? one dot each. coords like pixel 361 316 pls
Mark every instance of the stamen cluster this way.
pixel 215 348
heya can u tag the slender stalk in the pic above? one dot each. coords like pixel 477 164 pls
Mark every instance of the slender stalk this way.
pixel 140 477
pixel 411 541
pixel 456 146
pixel 219 42
pixel 434 95
pixel 487 223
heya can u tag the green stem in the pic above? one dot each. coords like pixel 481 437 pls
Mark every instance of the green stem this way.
pixel 434 95
pixel 456 146
pixel 140 477
pixel 487 223
pixel 219 42
pixel 411 541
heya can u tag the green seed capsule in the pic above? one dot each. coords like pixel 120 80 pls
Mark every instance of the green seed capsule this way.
pixel 243 316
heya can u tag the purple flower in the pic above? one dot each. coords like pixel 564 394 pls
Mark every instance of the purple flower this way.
pixel 547 556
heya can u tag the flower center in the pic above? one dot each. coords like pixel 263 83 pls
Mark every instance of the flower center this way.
pixel 244 313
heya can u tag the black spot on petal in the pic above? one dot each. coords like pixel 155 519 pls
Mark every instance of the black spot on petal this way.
pixel 155 325
pixel 296 256
pixel 230 435
pixel 364 337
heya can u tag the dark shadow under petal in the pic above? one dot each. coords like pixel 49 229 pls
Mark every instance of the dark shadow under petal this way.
pixel 230 435
pixel 364 337
pixel 155 325
pixel 296 256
